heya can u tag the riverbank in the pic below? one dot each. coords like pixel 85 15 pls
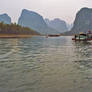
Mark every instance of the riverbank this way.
pixel 15 36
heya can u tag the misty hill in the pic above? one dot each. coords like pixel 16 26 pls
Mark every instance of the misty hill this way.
pixel 69 26
pixel 35 21
pixel 83 21
pixel 57 24
pixel 5 19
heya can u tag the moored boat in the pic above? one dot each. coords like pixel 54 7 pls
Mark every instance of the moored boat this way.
pixel 83 37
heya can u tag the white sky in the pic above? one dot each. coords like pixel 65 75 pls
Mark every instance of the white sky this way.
pixel 63 9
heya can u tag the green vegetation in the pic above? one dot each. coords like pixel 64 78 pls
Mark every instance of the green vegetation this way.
pixel 16 29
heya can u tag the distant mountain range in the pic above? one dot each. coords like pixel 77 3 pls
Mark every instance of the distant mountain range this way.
pixel 33 20
pixel 57 24
pixel 36 22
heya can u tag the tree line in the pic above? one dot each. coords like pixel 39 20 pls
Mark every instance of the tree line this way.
pixel 14 28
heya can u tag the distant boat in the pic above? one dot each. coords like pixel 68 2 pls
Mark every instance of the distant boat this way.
pixel 57 35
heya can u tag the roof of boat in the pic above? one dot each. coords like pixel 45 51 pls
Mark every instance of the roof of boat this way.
pixel 82 34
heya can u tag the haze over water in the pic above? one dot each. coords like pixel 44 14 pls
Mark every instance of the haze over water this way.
pixel 40 64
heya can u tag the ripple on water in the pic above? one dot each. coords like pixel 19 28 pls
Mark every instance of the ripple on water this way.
pixel 39 64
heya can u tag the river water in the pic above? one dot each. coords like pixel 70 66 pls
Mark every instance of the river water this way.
pixel 40 64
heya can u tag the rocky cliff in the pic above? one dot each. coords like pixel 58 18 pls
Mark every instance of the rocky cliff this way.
pixel 35 21
pixel 57 24
pixel 5 19
pixel 83 21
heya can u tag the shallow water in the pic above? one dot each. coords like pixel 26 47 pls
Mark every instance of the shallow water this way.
pixel 42 64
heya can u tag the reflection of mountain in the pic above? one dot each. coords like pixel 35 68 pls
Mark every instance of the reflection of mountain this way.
pixel 5 18
pixel 83 52
pixel 57 24
pixel 14 43
pixel 35 21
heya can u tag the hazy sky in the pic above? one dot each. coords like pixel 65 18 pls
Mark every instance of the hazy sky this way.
pixel 63 9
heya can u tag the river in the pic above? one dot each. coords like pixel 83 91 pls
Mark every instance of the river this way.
pixel 40 64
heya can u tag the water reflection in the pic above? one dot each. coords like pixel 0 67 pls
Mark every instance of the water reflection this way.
pixel 83 52
pixel 14 43
pixel 83 63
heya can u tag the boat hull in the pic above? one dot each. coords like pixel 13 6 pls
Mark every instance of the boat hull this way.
pixel 88 39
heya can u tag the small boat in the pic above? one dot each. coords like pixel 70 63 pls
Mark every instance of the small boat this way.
pixel 56 35
pixel 82 37
pixel 52 35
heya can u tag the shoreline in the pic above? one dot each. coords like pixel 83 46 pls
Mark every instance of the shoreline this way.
pixel 25 35
pixel 16 36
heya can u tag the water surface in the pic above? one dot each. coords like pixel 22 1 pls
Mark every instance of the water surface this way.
pixel 42 64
